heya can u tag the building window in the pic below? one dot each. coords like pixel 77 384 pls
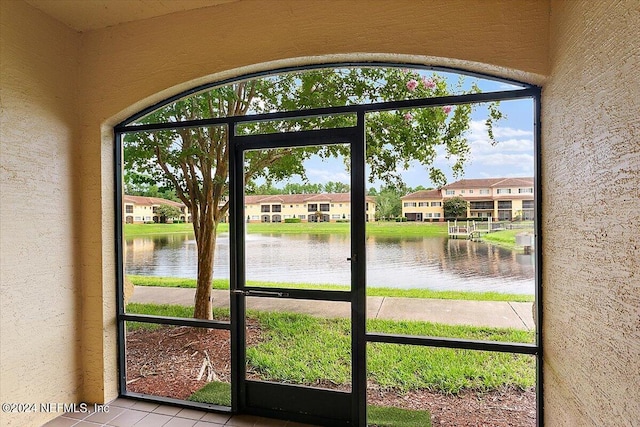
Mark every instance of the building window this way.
pixel 485 191
pixel 324 207
pixel 366 206
pixel 450 192
pixel 409 204
pixel 504 204
pixel 312 207
pixel 265 208
pixel 462 191
pixel 155 209
pixel 525 190
pixel 504 191
pixel 255 217
pixel 436 203
pixel 527 204
pixel 335 216
pixel 422 204
pixel 436 215
pixel 481 205
pixel 470 191
pixel 276 208
pixel 128 208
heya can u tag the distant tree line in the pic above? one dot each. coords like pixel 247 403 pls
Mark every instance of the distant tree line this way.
pixel 294 188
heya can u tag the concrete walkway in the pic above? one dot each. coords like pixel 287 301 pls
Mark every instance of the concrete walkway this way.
pixel 516 315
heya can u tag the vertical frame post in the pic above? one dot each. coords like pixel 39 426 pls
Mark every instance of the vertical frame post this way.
pixel 358 276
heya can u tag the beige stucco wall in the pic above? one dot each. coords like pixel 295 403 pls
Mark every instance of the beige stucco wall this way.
pixel 39 286
pixel 591 211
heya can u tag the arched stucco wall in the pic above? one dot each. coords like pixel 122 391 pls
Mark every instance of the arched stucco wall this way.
pixel 131 66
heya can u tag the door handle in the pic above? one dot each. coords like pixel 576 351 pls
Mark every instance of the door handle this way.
pixel 352 258
pixel 251 293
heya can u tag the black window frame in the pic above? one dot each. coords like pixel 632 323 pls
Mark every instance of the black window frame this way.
pixel 525 91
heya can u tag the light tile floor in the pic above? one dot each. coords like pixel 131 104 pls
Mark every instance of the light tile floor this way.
pixel 130 413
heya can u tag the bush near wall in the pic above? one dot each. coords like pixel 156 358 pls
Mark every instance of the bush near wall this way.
pixel 292 220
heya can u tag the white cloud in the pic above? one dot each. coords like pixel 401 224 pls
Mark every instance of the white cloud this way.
pixel 326 175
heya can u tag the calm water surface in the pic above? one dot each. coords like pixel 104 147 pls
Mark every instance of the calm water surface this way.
pixel 424 262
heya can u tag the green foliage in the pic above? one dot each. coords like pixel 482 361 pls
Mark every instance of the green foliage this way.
pixel 168 211
pixel 295 188
pixel 292 220
pixel 455 207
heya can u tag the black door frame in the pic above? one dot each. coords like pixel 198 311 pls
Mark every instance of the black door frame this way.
pixel 304 404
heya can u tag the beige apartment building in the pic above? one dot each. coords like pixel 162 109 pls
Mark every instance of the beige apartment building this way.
pixel 504 199
pixel 140 209
pixel 328 207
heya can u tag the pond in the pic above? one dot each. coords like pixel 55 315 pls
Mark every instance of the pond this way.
pixel 434 263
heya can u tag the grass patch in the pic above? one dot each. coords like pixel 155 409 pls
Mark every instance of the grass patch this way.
pixel 396 229
pixel 216 393
pixel 219 393
pixel 383 416
pixel 131 230
pixel 304 349
pixel 374 292
pixel 504 238
pixel 165 310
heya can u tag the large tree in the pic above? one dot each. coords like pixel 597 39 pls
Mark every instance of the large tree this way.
pixel 455 207
pixel 194 161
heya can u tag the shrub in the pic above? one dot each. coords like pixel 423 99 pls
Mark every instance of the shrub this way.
pixel 292 220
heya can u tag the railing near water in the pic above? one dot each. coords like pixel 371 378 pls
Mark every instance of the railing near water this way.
pixel 472 229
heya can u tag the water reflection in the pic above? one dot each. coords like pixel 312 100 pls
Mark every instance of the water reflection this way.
pixel 422 262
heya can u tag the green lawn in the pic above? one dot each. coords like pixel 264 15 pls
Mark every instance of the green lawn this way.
pixel 303 349
pixel 505 238
pixel 381 292
pixel 400 229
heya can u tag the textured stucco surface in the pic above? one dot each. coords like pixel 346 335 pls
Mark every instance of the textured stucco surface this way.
pixel 591 215
pixel 39 294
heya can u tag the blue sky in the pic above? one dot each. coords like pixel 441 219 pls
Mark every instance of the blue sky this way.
pixel 512 156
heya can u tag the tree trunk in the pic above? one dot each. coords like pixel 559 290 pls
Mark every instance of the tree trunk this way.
pixel 206 250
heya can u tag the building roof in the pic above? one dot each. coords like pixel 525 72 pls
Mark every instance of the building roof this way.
pixel 424 195
pixel 490 183
pixel 150 201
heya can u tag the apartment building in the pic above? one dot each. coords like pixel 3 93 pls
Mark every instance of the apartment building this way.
pixel 140 209
pixel 504 199
pixel 327 207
